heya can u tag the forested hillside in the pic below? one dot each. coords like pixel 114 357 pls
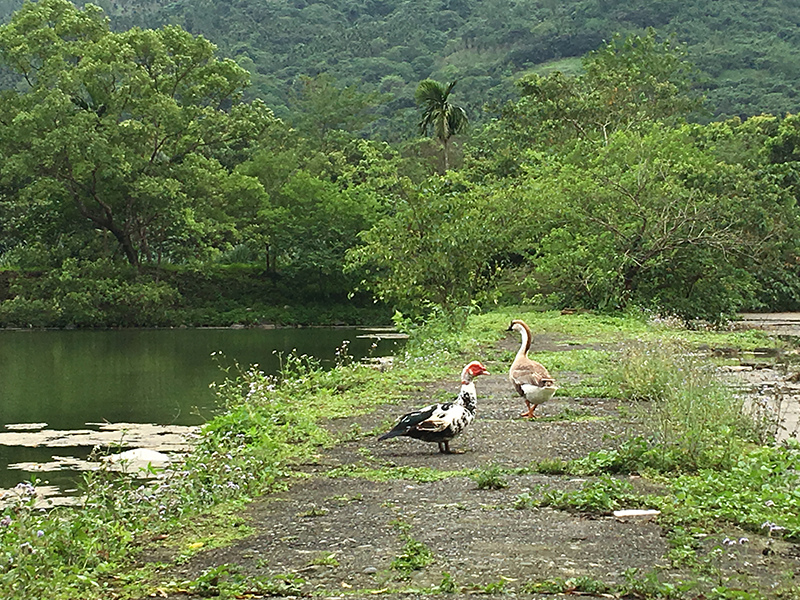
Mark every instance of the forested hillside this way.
pixel 747 53
pixel 146 178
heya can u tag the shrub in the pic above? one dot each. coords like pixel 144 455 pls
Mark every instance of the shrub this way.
pixel 690 413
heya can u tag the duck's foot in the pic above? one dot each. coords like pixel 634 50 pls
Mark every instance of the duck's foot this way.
pixel 444 448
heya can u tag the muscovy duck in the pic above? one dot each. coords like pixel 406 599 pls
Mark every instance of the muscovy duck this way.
pixel 440 423
pixel 529 378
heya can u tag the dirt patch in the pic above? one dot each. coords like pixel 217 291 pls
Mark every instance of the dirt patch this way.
pixel 342 534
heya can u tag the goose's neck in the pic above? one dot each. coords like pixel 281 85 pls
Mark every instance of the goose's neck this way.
pixel 526 343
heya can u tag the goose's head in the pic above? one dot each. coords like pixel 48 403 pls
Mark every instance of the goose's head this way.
pixel 519 326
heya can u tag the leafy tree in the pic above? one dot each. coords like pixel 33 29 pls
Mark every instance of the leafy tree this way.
pixel 124 134
pixel 651 219
pixel 321 107
pixel 626 84
pixel 445 244
pixel 439 115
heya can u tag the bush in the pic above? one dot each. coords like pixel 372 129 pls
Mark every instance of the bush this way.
pixel 695 420
pixel 88 294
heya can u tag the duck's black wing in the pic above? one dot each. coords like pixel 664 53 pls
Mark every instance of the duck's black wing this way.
pixel 413 419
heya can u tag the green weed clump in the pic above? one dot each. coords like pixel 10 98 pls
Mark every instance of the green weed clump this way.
pixel 635 585
pixel 759 493
pixel 601 496
pixel 491 478
pixel 694 419
pixel 415 555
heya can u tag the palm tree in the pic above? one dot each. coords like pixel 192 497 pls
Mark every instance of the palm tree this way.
pixel 438 114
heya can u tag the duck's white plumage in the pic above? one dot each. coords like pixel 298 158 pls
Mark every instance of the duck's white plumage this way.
pixel 530 379
pixel 442 422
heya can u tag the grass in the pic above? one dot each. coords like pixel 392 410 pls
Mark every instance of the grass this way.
pixel 712 470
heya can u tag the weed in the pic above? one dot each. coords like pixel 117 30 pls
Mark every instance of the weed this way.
pixel 758 493
pixel 314 511
pixel 525 501
pixel 415 556
pixel 692 415
pixel 491 478
pixel 388 473
pixel 346 498
pixel 327 559
pixel 554 466
pixel 401 525
pixel 601 496
pixel 495 587
pixel 636 585
pixel 447 585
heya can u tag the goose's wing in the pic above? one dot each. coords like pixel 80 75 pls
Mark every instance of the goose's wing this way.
pixel 529 373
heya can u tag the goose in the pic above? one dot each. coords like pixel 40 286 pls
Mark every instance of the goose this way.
pixel 529 378
pixel 440 423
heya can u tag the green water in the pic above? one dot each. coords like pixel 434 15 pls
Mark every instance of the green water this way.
pixel 69 378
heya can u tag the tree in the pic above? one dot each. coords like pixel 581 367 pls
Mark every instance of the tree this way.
pixel 438 114
pixel 124 134
pixel 626 84
pixel 650 219
pixel 443 245
pixel 321 107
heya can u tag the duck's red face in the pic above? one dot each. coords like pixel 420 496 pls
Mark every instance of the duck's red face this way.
pixel 475 368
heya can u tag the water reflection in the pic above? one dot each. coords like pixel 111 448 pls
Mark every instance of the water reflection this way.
pixel 69 378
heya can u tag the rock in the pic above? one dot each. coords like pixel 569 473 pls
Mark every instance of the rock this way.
pixel 636 512
pixel 138 459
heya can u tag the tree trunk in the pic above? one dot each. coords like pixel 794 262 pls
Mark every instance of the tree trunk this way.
pixel 106 221
pixel 127 246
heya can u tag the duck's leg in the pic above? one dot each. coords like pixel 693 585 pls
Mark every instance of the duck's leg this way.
pixel 443 447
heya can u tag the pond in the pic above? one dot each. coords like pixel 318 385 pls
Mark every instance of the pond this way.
pixel 68 379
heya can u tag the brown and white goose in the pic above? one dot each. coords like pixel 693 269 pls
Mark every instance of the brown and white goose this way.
pixel 440 423
pixel 529 378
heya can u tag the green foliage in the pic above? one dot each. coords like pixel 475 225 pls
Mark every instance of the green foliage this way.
pixel 758 493
pixel 415 555
pixel 320 107
pixel 603 496
pixel 444 245
pixel 625 84
pixel 747 53
pixel 448 584
pixel 649 219
pixel 103 293
pixel 226 581
pixel 635 585
pixel 439 114
pixel 88 294
pixel 689 410
pixel 123 135
pixel 490 478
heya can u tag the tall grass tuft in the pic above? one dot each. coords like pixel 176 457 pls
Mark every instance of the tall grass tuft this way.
pixel 694 420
